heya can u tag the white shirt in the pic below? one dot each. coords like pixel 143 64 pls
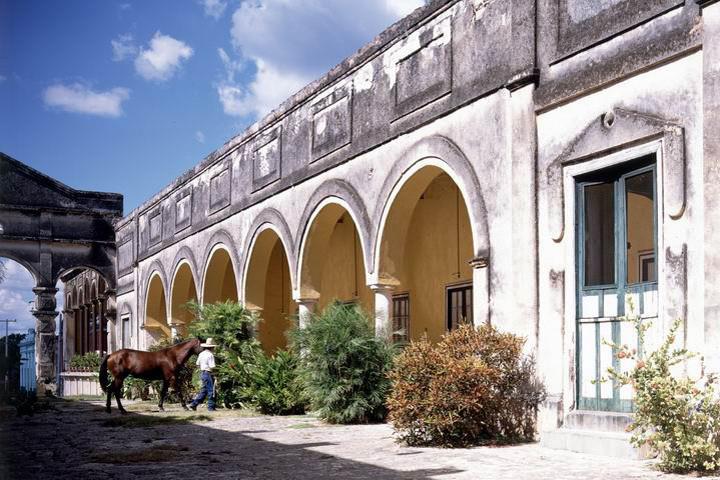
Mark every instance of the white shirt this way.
pixel 206 361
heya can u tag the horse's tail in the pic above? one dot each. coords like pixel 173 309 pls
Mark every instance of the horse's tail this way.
pixel 104 373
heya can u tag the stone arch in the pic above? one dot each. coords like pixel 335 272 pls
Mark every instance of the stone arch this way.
pixel 156 267
pixel 183 289
pixel 340 192
pixel 222 282
pixel 433 196
pixel 333 253
pixel 185 254
pixel 268 285
pixel 38 279
pixel 442 153
pixel 155 307
pixel 270 218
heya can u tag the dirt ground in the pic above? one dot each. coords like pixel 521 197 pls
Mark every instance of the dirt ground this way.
pixel 77 439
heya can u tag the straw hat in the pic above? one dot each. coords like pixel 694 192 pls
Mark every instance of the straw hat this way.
pixel 208 343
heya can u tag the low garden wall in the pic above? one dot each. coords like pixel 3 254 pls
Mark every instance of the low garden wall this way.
pixel 75 384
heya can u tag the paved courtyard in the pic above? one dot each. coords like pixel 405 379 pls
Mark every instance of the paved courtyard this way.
pixel 78 440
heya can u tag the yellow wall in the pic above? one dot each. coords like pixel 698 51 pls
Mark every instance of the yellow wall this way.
pixel 183 291
pixel 220 284
pixel 343 275
pixel 278 307
pixel 155 311
pixel 431 256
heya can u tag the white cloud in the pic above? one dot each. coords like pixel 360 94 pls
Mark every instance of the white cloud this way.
pixel 163 59
pixel 15 298
pixel 123 47
pixel 214 8
pixel 78 98
pixel 291 43
pixel 200 136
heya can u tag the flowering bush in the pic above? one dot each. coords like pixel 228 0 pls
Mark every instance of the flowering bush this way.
pixel 473 387
pixel 676 416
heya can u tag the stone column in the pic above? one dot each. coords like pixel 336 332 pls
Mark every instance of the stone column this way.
pixel 94 322
pixel 306 308
pixel 481 290
pixel 711 179
pixel 69 336
pixel 45 341
pixel 78 332
pixel 110 320
pixel 383 310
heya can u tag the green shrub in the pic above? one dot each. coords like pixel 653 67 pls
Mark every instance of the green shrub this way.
pixel 343 366
pixel 90 361
pixel 275 388
pixel 231 326
pixel 676 416
pixel 473 387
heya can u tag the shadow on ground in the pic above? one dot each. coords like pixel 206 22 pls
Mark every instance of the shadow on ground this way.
pixel 79 440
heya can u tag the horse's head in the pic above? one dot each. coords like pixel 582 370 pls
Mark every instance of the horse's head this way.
pixel 196 348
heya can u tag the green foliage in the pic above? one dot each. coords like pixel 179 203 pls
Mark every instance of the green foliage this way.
pixel 231 327
pixel 10 366
pixel 676 416
pixel 88 362
pixel 275 388
pixel 473 387
pixel 343 366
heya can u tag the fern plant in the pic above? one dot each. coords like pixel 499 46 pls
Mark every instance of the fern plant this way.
pixel 275 387
pixel 343 366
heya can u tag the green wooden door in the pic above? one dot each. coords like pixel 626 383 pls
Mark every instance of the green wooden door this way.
pixel 616 258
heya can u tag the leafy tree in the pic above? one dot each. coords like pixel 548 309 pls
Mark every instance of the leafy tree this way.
pixel 11 365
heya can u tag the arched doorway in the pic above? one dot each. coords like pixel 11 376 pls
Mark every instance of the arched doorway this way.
pixel 155 310
pixel 182 291
pixel 425 246
pixel 268 289
pixel 219 284
pixel 332 265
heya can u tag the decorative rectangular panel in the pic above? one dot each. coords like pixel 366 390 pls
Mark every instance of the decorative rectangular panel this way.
pixel 125 256
pixel 220 190
pixel 332 122
pixel 423 73
pixel 267 158
pixel 583 24
pixel 155 226
pixel 183 209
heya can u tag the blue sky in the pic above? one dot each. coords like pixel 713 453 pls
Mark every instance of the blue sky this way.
pixel 125 96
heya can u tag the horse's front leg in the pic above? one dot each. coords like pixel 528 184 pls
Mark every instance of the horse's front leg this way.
pixel 162 395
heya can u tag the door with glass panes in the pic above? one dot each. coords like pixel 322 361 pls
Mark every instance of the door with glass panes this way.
pixel 617 273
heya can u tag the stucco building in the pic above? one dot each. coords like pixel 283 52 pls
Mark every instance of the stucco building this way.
pixel 540 165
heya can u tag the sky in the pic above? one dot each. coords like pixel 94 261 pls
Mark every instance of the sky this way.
pixel 125 96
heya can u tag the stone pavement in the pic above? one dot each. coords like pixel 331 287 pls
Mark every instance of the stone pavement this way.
pixel 79 440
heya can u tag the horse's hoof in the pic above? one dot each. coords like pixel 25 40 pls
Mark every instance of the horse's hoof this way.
pixel 124 412
pixel 185 407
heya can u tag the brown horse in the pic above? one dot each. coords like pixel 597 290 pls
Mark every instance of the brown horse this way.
pixel 162 365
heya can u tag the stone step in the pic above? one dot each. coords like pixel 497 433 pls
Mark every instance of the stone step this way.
pixel 599 421
pixel 595 442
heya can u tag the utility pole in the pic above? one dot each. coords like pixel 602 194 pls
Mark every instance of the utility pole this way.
pixel 7 365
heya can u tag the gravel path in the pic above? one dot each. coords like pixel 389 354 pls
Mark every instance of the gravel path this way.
pixel 78 440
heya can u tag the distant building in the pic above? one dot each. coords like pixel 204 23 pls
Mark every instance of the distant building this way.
pixel 27 361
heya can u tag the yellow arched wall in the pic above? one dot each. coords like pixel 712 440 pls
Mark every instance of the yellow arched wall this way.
pixel 155 310
pixel 220 284
pixel 183 291
pixel 278 307
pixel 429 252
pixel 343 276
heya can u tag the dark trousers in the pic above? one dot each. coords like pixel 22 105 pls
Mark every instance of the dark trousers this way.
pixel 207 390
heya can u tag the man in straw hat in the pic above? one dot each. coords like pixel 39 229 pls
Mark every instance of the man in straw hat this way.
pixel 206 362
